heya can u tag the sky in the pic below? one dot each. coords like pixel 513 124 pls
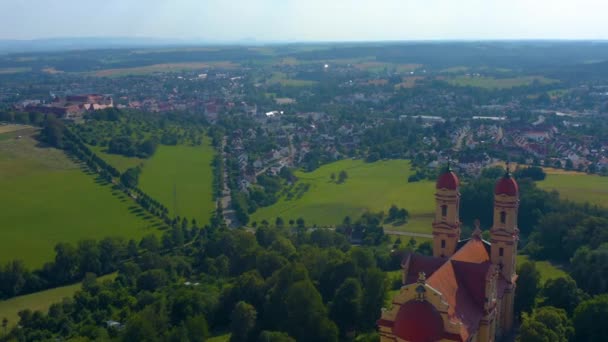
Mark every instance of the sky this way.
pixel 306 20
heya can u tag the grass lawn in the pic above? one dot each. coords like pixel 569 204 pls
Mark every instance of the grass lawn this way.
pixel 391 276
pixel 39 301
pixel 546 269
pixel 421 223
pixel 498 83
pixel 12 128
pixel 578 187
pixel 120 162
pixel 187 169
pixel 406 239
pixel 46 198
pixel 369 187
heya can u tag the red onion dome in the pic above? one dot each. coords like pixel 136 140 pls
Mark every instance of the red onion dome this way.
pixel 506 186
pixel 418 321
pixel 448 180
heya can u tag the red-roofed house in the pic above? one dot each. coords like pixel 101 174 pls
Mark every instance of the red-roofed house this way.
pixel 464 292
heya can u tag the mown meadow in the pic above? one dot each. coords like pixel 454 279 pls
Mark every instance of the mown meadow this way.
pixel 368 187
pixel 53 199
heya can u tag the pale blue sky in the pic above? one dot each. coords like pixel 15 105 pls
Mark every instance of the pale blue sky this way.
pixel 304 20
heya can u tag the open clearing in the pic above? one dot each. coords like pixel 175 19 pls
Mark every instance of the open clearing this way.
pixel 578 187
pixel 13 128
pixel 188 171
pixel 409 81
pixel 498 83
pixel 220 338
pixel 166 67
pixel 284 79
pixel 39 301
pixel 546 269
pixel 369 187
pixel 46 198
pixel 118 161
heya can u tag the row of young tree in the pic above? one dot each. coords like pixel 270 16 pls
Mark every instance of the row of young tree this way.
pixel 56 134
pixel 133 134
pixel 269 286
pixel 16 279
pixel 24 118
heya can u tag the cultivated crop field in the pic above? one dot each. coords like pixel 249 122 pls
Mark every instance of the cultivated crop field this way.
pixel 578 187
pixel 52 200
pixel 187 169
pixel 166 67
pixel 498 83
pixel 369 187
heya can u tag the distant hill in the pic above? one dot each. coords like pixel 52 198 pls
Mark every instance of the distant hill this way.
pixel 86 43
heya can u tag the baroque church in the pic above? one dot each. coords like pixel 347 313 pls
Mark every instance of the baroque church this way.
pixel 465 291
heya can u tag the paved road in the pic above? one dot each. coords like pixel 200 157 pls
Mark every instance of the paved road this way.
pixel 397 232
pixel 227 209
pixel 463 134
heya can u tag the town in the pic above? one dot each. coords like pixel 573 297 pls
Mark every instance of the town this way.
pixel 389 191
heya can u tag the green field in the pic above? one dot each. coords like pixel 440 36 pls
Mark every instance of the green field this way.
pixel 120 162
pixel 497 83
pixel 369 187
pixel 578 187
pixel 39 301
pixel 546 269
pixel 46 198
pixel 188 171
pixel 283 79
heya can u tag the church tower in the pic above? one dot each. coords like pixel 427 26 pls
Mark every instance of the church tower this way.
pixel 446 226
pixel 504 237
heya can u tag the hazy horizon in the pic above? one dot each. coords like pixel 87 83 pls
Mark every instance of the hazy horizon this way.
pixel 309 21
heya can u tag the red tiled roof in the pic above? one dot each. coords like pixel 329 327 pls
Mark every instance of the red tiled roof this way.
pixel 448 180
pixel 473 277
pixel 461 280
pixel 507 186
pixel 421 263
pixel 473 251
pixel 451 280
pixel 418 321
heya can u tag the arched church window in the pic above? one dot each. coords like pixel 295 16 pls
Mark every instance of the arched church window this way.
pixel 442 243
pixel 503 217
pixel 444 210
pixel 501 251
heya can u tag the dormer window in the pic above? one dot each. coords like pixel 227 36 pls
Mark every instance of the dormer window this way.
pixel 503 217
pixel 444 210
